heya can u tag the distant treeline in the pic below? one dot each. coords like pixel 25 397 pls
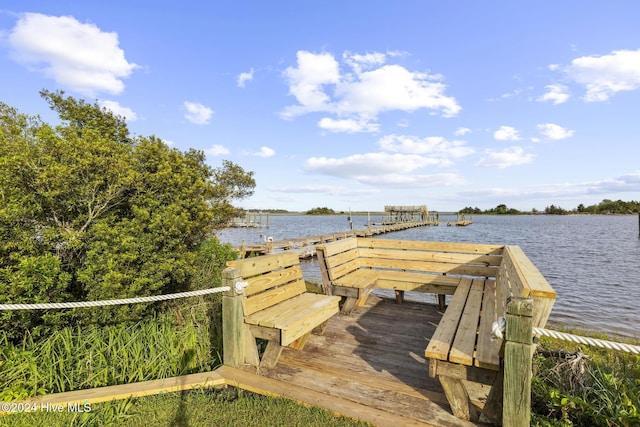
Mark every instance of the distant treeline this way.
pixel 606 207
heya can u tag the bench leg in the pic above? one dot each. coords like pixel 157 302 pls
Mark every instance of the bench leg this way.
pixel 250 348
pixel 348 305
pixel 300 342
pixel 441 302
pixel 492 411
pixel 363 294
pixel 399 297
pixel 458 398
pixel 271 355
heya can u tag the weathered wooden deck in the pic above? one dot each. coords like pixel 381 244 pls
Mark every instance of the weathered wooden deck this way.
pixel 369 365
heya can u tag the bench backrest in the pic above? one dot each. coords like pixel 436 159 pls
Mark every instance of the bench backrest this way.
pixel 271 279
pixel 342 257
pixel 518 276
pixel 468 259
pixel 337 259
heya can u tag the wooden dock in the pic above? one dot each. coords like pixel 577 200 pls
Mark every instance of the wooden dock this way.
pixel 368 366
pixel 304 245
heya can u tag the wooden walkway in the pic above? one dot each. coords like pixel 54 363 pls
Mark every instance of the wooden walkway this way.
pixel 304 245
pixel 369 365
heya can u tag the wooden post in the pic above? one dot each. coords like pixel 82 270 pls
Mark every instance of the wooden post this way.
pixel 233 340
pixel 517 362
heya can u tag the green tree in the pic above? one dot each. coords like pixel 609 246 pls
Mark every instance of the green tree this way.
pixel 89 212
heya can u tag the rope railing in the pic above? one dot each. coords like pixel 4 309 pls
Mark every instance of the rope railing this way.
pixel 154 298
pixel 498 328
pixel 611 345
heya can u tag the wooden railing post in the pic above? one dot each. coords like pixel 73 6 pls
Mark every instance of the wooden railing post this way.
pixel 516 409
pixel 232 320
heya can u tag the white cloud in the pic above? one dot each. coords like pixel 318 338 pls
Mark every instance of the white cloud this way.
pixel 553 131
pixel 324 189
pixel 604 76
pixel 363 165
pixel 348 125
pixel 217 150
pixel 414 180
pixel 197 113
pixel 119 110
pixel 506 133
pixel 263 152
pixel 78 56
pixel 433 145
pixel 392 87
pixel 307 80
pixel 508 157
pixel 243 78
pixel 462 131
pixel 557 94
pixel 371 88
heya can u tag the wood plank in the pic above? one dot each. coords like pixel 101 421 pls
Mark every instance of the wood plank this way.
pixel 415 255
pixel 431 246
pixel 272 296
pixel 427 266
pixel 272 279
pixel 463 348
pixel 487 348
pixel 261 264
pixel 440 343
pixel 344 407
pixel 125 391
pixel 339 270
pixel 458 398
pixel 338 246
pixel 362 278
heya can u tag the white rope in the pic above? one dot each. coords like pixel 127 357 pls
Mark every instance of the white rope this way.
pixel 588 341
pixel 154 298
pixel 498 328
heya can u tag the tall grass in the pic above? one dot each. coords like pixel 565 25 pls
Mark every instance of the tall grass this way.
pixel 175 342
pixel 585 387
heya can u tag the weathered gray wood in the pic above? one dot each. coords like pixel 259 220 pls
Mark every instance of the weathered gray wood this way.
pixel 233 339
pixel 458 398
pixel 517 363
pixel 492 411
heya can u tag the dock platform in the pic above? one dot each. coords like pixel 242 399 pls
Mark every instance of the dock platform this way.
pixel 369 365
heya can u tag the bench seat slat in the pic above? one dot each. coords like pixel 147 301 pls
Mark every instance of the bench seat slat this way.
pixel 487 349
pixel 440 343
pixel 296 316
pixel 358 279
pixel 464 344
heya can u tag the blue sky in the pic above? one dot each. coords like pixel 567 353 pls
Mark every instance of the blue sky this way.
pixel 358 104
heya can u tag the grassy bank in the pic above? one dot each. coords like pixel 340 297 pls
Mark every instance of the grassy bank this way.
pixel 229 407
pixel 588 386
pixel 571 386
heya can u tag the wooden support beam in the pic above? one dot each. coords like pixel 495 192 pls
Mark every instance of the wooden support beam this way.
pixel 233 330
pixel 517 363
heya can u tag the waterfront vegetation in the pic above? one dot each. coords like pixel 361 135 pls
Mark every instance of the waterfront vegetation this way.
pixel 605 207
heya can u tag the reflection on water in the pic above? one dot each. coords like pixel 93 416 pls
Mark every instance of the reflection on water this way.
pixel 592 261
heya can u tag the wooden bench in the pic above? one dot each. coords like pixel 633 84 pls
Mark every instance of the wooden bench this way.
pixel 273 306
pixel 462 347
pixel 353 267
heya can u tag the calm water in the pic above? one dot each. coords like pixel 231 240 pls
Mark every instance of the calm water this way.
pixel 592 261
